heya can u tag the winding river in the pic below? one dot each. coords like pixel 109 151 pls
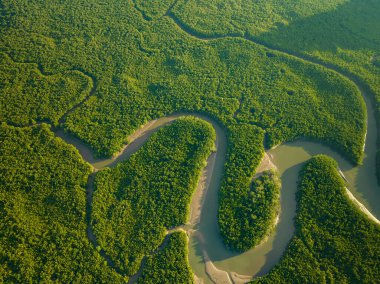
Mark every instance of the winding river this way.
pixel 288 159
pixel 209 259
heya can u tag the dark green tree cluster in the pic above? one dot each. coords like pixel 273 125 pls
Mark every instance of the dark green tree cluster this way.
pixel 242 225
pixel 376 60
pixel 135 203
pixel 28 96
pixel 334 241
pixel 42 211
pixel 349 38
pixel 170 265
pixel 378 166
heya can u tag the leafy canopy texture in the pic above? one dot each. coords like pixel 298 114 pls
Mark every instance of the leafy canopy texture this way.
pixel 42 211
pixel 334 241
pixel 169 265
pixel 135 203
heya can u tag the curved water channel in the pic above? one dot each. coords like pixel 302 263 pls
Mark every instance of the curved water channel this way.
pixel 288 158
pixel 208 257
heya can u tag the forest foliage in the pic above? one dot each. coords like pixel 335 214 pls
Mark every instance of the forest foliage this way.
pixel 153 9
pixel 169 265
pixel 42 211
pixel 28 96
pixel 123 63
pixel 247 208
pixel 349 38
pixel 337 33
pixel 334 241
pixel 147 69
pixel 135 203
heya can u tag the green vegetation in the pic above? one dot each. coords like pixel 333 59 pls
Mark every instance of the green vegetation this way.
pixel 376 60
pixel 147 69
pixel 334 241
pixel 265 206
pixel 337 33
pixel 349 37
pixel 27 95
pixel 42 211
pixel 109 67
pixel 237 220
pixel 235 17
pixel 378 166
pixel 169 265
pixel 137 201
pixel 153 9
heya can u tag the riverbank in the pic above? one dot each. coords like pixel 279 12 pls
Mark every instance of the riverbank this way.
pixel 263 257
pixel 266 164
pixel 361 207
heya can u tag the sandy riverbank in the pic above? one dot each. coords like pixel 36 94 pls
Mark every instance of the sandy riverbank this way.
pixel 266 164
pixel 139 138
pixel 361 206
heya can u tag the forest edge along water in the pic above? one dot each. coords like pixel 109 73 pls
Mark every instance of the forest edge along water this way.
pixel 210 260
pixel 207 253
pixel 212 265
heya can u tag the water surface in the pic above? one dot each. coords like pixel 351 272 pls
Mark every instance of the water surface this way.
pixel 288 158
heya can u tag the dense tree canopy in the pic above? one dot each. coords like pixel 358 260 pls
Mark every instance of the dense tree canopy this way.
pixel 264 70
pixel 29 96
pixel 135 203
pixel 144 69
pixel 235 211
pixel 334 241
pixel 42 211
pixel 338 34
pixel 169 265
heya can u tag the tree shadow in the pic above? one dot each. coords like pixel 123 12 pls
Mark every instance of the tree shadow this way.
pixel 353 25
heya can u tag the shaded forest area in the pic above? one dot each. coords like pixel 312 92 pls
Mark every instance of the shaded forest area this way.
pixel 170 264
